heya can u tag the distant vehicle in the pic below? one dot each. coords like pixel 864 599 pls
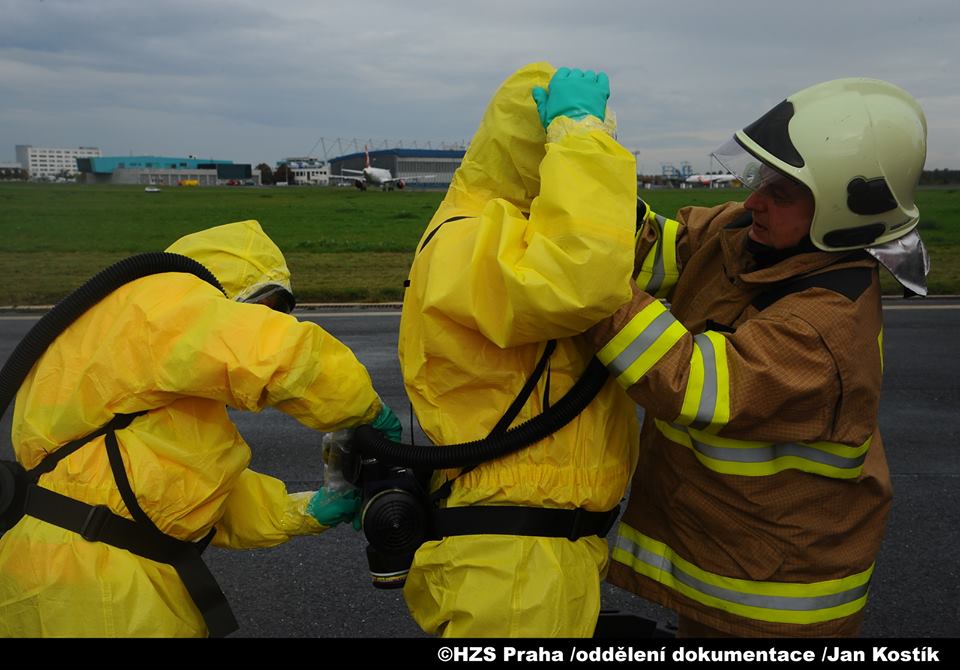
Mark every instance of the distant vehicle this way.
pixel 188 182
pixel 710 179
pixel 152 189
pixel 374 176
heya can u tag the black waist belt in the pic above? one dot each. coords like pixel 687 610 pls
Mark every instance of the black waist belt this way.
pixel 537 521
pixel 99 524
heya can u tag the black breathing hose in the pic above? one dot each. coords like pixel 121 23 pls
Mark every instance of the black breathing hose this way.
pixel 370 443
pixel 68 310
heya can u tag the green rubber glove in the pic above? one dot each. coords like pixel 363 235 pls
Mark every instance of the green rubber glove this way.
pixel 331 508
pixel 573 93
pixel 388 424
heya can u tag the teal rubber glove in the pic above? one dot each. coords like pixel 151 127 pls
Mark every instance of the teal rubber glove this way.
pixel 388 424
pixel 331 508
pixel 574 94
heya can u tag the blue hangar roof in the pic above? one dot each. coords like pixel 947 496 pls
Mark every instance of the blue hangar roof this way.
pixel 107 164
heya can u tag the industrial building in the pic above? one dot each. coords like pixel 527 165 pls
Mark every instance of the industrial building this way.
pixel 52 162
pixel 165 171
pixel 411 165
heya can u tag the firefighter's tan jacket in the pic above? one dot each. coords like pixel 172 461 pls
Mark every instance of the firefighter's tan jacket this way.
pixel 760 498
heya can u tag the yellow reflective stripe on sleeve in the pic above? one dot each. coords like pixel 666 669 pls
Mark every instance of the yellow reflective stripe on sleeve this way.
pixel 671 272
pixel 706 401
pixel 880 344
pixel 778 602
pixel 691 397
pixel 647 279
pixel 759 459
pixel 659 273
pixel 651 271
pixel 646 339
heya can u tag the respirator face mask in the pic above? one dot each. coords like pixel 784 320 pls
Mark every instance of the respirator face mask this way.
pixel 394 509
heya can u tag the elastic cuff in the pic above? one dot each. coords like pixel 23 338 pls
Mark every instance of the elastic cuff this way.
pixel 297 521
pixel 562 126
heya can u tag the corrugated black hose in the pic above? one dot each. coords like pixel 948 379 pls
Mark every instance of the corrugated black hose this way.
pixel 372 444
pixel 68 310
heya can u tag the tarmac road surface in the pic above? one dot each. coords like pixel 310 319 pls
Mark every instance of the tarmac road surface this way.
pixel 319 586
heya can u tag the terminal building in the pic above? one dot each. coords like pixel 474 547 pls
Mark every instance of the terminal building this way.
pixel 421 168
pixel 165 171
pixel 52 162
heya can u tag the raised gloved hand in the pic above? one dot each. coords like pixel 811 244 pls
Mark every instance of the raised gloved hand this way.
pixel 388 423
pixel 333 507
pixel 574 94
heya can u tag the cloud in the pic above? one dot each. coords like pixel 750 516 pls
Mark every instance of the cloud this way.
pixel 254 81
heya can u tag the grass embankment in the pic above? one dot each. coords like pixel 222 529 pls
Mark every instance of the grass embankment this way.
pixel 341 244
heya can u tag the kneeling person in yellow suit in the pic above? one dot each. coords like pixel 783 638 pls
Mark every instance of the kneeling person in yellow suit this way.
pixel 533 242
pixel 176 350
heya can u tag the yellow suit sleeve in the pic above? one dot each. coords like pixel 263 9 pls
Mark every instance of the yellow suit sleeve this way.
pixel 260 513
pixel 246 356
pixel 520 278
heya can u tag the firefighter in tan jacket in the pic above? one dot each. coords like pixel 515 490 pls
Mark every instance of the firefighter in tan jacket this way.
pixel 759 502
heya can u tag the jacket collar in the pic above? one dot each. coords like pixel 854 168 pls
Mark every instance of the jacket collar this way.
pixel 742 265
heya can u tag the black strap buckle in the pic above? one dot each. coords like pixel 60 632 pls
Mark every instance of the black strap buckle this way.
pixel 93 524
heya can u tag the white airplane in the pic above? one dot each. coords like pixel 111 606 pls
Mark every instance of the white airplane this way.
pixel 374 176
pixel 710 179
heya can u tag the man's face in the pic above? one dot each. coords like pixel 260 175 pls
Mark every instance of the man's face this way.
pixel 782 213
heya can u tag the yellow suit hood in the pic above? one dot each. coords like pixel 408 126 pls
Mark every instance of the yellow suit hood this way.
pixel 240 255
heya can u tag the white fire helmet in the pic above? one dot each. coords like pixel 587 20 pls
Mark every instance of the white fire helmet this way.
pixel 858 144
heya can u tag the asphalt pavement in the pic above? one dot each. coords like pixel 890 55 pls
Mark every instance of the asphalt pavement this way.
pixel 320 586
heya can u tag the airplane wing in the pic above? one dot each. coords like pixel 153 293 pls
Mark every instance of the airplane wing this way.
pixel 417 177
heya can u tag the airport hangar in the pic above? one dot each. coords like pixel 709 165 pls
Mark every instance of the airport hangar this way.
pixel 407 164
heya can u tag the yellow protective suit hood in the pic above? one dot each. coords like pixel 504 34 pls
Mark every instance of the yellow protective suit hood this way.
pixel 533 241
pixel 240 255
pixel 503 161
pixel 168 345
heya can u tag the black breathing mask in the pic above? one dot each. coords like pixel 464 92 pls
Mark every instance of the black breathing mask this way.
pixel 394 511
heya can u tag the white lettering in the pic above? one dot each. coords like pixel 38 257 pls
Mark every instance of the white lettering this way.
pixel 844 655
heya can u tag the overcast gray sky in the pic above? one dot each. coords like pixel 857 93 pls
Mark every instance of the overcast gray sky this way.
pixel 256 81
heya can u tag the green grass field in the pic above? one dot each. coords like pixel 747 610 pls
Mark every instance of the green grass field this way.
pixel 341 244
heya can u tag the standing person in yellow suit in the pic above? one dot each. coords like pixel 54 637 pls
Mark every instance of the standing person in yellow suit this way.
pixel 761 497
pixel 532 243
pixel 175 352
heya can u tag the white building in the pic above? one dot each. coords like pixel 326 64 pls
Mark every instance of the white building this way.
pixel 309 171
pixel 50 162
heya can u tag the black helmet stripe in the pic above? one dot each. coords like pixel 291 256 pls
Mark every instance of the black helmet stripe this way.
pixel 771 132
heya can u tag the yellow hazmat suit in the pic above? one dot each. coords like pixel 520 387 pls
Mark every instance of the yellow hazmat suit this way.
pixel 173 345
pixel 542 249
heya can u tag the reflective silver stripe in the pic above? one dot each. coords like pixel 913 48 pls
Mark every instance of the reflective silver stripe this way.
pixel 769 453
pixel 708 393
pixel 647 337
pixel 775 451
pixel 789 603
pixel 657 273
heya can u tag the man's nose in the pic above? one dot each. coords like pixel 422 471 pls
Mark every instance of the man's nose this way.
pixel 755 201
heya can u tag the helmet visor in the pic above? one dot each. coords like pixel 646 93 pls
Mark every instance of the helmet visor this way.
pixel 274 296
pixel 750 170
